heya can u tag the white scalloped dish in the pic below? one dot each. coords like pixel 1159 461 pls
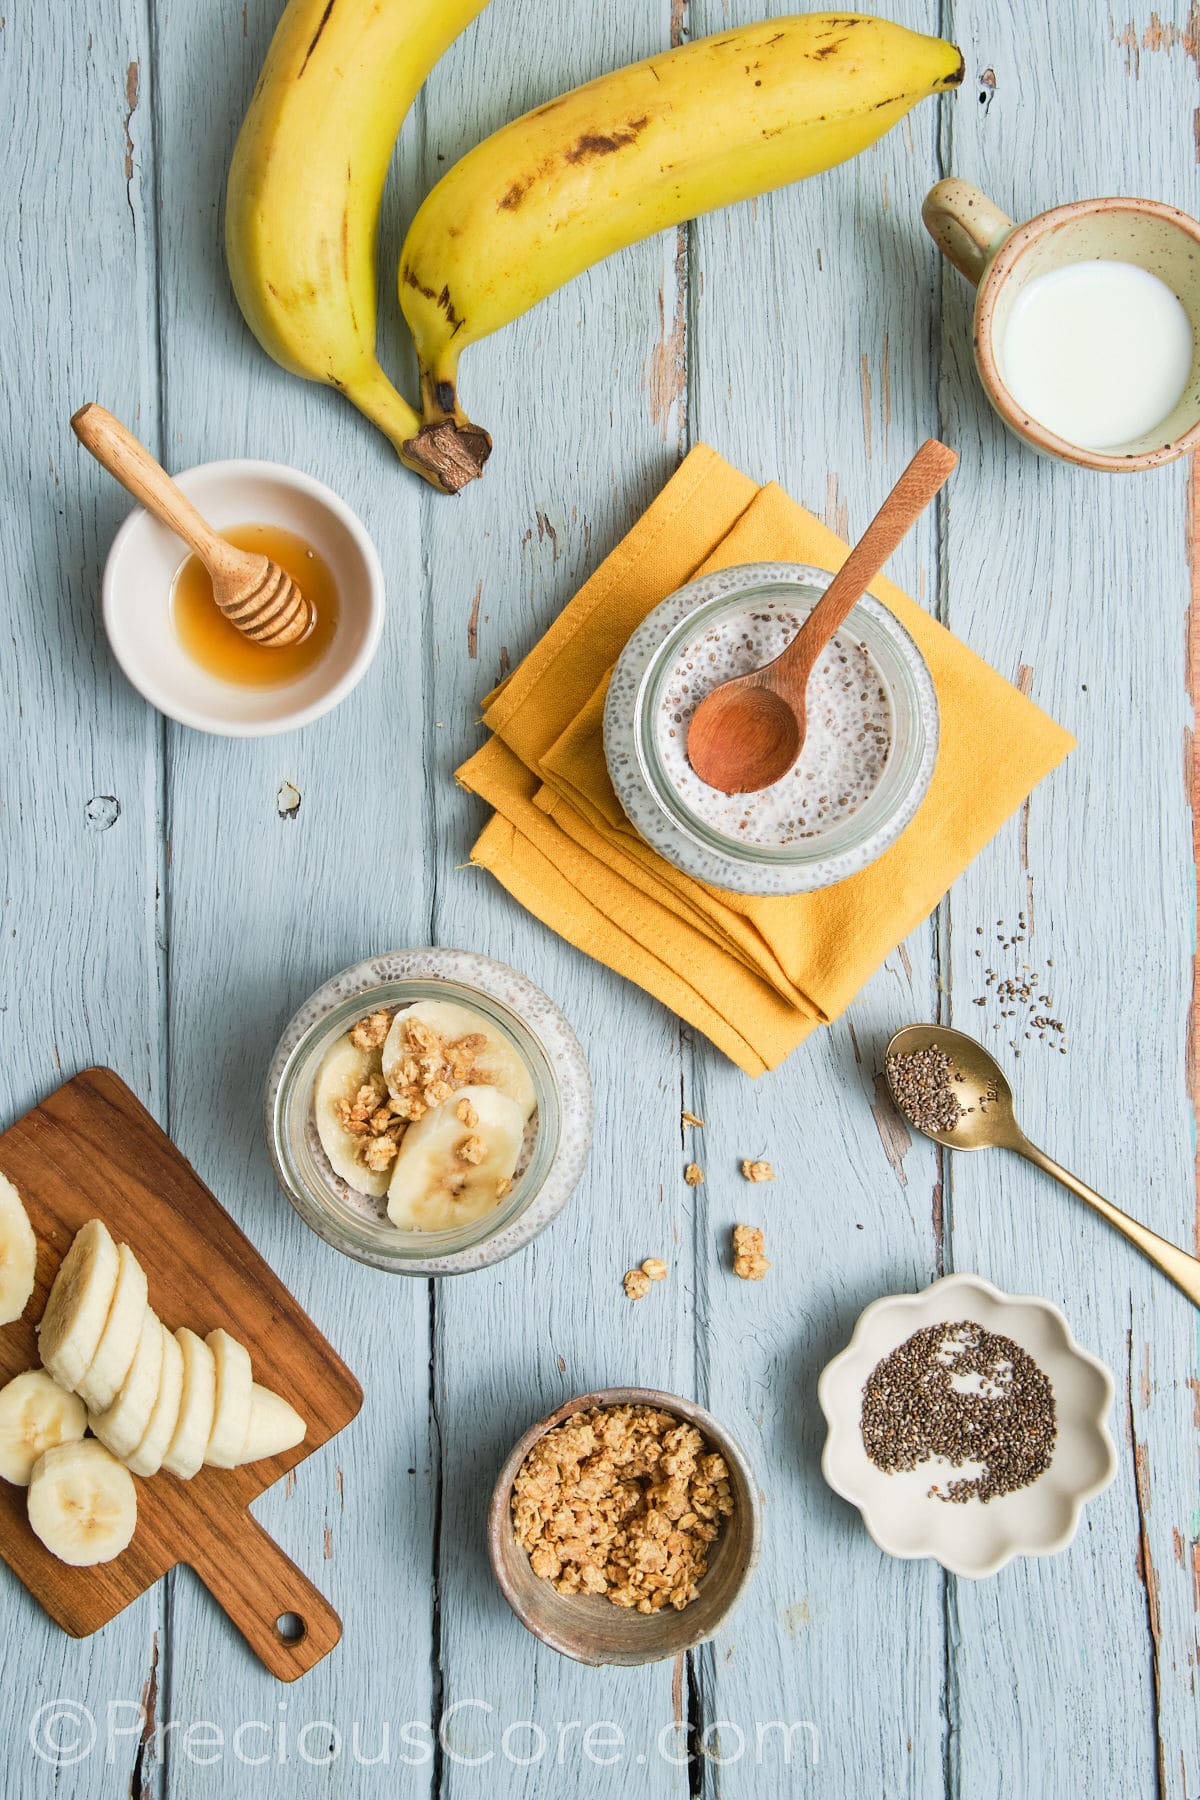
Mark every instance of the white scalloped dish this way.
pixel 971 1537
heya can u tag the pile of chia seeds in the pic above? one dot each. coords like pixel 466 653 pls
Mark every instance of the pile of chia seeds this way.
pixel 966 1395
pixel 921 1083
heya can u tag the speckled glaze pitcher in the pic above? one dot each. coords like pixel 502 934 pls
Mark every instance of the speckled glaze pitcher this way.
pixel 1000 257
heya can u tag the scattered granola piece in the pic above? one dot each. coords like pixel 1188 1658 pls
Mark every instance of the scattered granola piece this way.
pixel 369 1033
pixel 466 1114
pixel 503 1186
pixel 471 1150
pixel 689 1118
pixel 655 1268
pixel 757 1170
pixel 637 1284
pixel 748 1259
pixel 693 1174
pixel 623 1501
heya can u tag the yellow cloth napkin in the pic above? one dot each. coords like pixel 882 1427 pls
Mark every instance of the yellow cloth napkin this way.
pixel 755 975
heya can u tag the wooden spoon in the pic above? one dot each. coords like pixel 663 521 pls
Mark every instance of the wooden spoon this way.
pixel 253 592
pixel 747 733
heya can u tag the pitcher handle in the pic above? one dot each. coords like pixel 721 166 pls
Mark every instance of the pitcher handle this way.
pixel 965 225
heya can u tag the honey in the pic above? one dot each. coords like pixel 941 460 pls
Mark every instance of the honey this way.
pixel 220 648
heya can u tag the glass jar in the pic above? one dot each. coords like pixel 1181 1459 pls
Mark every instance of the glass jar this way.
pixel 556 1142
pixel 650 795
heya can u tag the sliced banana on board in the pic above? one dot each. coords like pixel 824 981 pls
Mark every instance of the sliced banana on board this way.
pixel 82 1503
pixel 77 1310
pixel 36 1415
pixel 344 1071
pixel 231 1417
pixel 449 1172
pixel 123 1426
pixel 197 1404
pixel 18 1253
pixel 498 1064
pixel 274 1426
pixel 147 1459
pixel 101 1380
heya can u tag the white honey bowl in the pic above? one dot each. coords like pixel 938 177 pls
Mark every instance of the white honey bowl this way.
pixel 145 558
pixel 971 1537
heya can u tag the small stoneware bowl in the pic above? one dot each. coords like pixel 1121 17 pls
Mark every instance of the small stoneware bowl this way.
pixel 145 558
pixel 588 1627
pixel 971 1537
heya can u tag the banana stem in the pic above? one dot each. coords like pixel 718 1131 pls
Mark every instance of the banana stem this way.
pixel 444 453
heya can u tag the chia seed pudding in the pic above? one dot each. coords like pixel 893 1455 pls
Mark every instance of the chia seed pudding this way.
pixel 846 748
pixel 800 834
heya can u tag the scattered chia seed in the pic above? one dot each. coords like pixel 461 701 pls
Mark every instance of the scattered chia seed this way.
pixel 1019 992
pixel 966 1395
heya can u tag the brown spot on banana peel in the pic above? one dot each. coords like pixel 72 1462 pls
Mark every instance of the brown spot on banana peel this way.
pixel 604 144
pixel 316 37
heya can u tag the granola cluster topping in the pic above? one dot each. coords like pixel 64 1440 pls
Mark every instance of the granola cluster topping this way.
pixel 748 1259
pixel 693 1174
pixel 431 1069
pixel 622 1501
pixel 429 1074
pixel 757 1170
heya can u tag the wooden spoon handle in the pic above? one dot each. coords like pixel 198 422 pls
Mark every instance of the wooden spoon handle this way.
pixel 133 466
pixel 925 474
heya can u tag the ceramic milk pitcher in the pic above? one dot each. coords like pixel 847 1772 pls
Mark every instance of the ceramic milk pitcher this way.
pixel 1085 238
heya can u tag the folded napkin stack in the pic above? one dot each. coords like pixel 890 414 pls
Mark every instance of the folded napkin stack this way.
pixel 755 975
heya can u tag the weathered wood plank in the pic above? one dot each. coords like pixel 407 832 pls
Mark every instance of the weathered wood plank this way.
pixel 1084 581
pixel 582 399
pixel 79 778
pixel 811 355
pixel 261 909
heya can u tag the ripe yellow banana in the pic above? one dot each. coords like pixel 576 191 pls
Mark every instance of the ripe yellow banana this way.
pixel 695 128
pixel 305 185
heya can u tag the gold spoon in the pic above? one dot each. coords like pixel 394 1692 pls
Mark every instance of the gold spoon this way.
pixel 987 1121
pixel 255 594
pixel 749 731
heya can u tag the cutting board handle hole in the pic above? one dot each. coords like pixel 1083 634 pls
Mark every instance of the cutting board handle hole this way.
pixel 291 1628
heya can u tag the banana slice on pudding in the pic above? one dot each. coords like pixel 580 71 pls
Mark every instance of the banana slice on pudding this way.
pixel 436 1041
pixel 348 1079
pixel 457 1161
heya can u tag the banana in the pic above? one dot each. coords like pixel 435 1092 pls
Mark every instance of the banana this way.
pixel 274 1426
pixel 97 1386
pixel 302 208
pixel 155 1441
pixel 698 127
pixel 497 1063
pixel 231 1417
pixel 35 1415
pixel 452 1169
pixel 18 1253
pixel 123 1426
pixel 78 1307
pixel 193 1428
pixel 345 1070
pixel 82 1503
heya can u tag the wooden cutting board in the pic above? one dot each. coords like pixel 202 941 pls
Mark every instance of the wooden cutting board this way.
pixel 91 1150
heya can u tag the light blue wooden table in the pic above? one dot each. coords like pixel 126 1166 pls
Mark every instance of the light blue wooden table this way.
pixel 160 916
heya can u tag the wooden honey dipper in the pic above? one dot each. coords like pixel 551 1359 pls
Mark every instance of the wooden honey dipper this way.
pixel 254 593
